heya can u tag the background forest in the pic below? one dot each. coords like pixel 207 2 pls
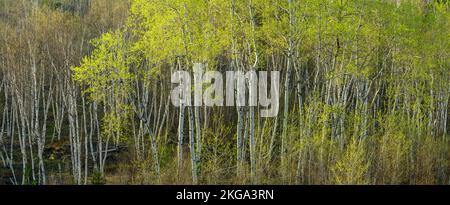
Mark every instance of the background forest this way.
pixel 85 92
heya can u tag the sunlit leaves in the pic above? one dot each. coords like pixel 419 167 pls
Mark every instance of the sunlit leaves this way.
pixel 106 68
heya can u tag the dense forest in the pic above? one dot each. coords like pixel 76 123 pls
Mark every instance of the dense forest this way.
pixel 86 84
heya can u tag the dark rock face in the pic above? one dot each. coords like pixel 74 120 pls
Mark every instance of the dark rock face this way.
pixel 80 7
pixel 5 176
pixel 57 149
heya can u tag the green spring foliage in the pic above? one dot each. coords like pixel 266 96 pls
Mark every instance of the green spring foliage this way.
pixel 369 91
pixel 391 59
